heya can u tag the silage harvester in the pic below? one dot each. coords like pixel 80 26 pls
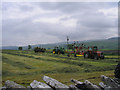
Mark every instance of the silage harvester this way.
pixel 77 49
pixel 89 52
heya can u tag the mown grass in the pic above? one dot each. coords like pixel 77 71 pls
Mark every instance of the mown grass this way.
pixel 25 66
pixel 87 63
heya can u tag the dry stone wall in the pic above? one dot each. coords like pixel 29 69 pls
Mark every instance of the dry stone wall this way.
pixel 52 84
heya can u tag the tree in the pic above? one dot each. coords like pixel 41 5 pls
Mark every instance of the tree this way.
pixel 38 49
pixel 29 47
pixel 20 48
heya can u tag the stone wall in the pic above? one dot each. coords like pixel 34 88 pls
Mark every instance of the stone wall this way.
pixel 52 84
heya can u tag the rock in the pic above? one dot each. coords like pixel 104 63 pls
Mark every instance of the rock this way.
pixel 36 84
pixel 73 87
pixel 109 82
pixel 102 85
pixel 3 88
pixel 85 85
pixel 78 84
pixel 11 84
pixel 91 86
pixel 29 88
pixel 54 83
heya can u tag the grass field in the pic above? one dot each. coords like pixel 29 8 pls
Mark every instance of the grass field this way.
pixel 25 66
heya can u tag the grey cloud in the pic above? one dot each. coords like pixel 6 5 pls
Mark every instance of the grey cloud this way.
pixel 72 7
pixel 26 8
pixel 86 12
pixel 90 24
pixel 98 21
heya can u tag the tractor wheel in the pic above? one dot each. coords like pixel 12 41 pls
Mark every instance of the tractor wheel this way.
pixel 86 55
pixel 96 57
pixel 117 71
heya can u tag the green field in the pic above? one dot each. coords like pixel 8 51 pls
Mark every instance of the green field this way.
pixel 25 66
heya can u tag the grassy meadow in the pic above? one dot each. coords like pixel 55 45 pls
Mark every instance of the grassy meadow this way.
pixel 25 66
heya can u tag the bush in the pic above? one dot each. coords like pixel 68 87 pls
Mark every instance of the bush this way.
pixel 38 49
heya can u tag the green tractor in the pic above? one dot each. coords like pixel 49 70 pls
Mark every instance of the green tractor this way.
pixel 58 50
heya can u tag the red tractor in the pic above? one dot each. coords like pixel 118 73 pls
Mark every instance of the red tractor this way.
pixel 93 53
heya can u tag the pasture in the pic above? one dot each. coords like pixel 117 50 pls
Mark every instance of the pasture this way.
pixel 25 66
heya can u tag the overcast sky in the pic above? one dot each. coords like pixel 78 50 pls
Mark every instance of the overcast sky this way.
pixel 50 22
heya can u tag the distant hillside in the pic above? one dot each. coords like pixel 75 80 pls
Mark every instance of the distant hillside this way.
pixel 110 43
pixel 104 44
pixel 114 38
pixel 10 47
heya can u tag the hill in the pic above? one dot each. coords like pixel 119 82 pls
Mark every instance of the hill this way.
pixel 10 47
pixel 110 43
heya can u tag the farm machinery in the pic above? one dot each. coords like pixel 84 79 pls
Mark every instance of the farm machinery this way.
pixel 78 49
pixel 93 53
pixel 89 52
pixel 58 50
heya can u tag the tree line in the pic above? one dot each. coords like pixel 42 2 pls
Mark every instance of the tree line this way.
pixel 36 49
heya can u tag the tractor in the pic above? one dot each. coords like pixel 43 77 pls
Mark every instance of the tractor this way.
pixel 58 50
pixel 93 53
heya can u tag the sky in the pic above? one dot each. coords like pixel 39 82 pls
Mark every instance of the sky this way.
pixel 30 23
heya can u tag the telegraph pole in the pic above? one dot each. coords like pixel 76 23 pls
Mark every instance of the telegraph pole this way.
pixel 67 46
pixel 67 40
